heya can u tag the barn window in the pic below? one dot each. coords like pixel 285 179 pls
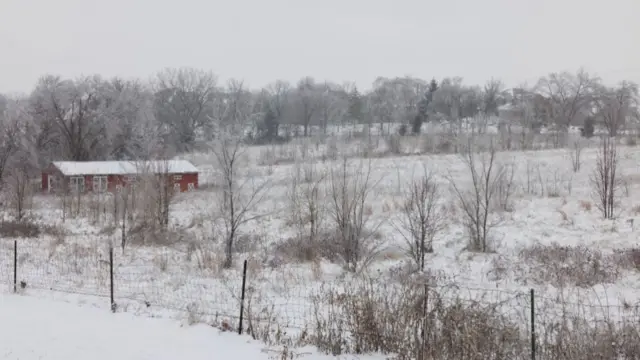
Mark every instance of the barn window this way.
pixel 177 177
pixel 176 188
pixel 118 188
pixel 100 183
pixel 191 186
pixel 76 184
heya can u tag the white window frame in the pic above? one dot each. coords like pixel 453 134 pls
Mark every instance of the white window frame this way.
pixel 177 188
pixel 177 177
pixel 53 183
pixel 118 187
pixel 77 184
pixel 191 186
pixel 129 179
pixel 100 183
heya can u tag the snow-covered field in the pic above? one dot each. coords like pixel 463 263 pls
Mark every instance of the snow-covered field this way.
pixel 38 329
pixel 551 239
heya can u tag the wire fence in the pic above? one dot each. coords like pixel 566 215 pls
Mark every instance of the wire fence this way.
pixel 413 318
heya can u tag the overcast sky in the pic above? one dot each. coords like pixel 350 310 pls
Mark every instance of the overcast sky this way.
pixel 340 40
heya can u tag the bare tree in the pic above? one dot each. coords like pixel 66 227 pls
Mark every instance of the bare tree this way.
pixel 123 210
pixel 614 107
pixel 19 184
pixel 79 113
pixel 350 213
pixel 570 95
pixel 493 95
pixel 240 194
pixel 476 201
pixel 505 184
pixel 332 105
pixel 447 100
pixel 575 153
pixel 14 118
pixel 490 98
pixel 307 103
pixel 381 105
pixel 421 218
pixel 605 178
pixel 278 98
pixel 307 206
pixel 399 97
pixel 183 100
pixel 163 197
pixel 237 111
pixel 524 111
pixel 134 123
pixel 280 93
pixel 154 185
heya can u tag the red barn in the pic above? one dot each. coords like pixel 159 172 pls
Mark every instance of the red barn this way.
pixel 101 176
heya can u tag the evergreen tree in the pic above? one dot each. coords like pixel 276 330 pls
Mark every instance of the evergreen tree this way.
pixel 416 125
pixel 433 87
pixel 269 127
pixel 589 127
pixel 355 106
pixel 271 124
pixel 423 108
pixel 402 131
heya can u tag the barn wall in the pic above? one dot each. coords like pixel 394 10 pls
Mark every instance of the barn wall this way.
pixel 193 178
pixel 185 180
pixel 88 183
pixel 49 171
pixel 112 182
pixel 45 182
pixel 115 180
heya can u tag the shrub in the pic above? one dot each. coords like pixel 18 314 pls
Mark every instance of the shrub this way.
pixel 402 131
pixel 585 205
pixel 629 258
pixel 305 249
pixel 22 228
pixel 394 144
pixel 148 233
pixel 411 321
pixel 562 266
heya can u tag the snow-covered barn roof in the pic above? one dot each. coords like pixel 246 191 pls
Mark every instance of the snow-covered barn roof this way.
pixel 72 168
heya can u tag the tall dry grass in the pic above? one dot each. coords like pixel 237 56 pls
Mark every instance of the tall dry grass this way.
pixel 413 319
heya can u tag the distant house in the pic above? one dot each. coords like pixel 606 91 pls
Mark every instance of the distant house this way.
pixel 510 113
pixel 103 176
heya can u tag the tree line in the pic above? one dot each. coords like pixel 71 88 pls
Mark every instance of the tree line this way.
pixel 178 110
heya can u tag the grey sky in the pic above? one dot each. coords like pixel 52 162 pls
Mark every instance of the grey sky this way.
pixel 355 40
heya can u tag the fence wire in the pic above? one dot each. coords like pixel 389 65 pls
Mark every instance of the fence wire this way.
pixel 355 315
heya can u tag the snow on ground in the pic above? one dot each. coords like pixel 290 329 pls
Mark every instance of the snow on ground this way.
pixel 551 204
pixel 38 329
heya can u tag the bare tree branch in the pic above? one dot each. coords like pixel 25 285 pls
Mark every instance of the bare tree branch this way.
pixel 605 179
pixel 348 208
pixel 476 201
pixel 421 218
pixel 615 107
pixel 183 100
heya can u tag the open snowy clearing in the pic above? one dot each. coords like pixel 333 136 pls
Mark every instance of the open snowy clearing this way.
pixel 38 329
pixel 550 238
